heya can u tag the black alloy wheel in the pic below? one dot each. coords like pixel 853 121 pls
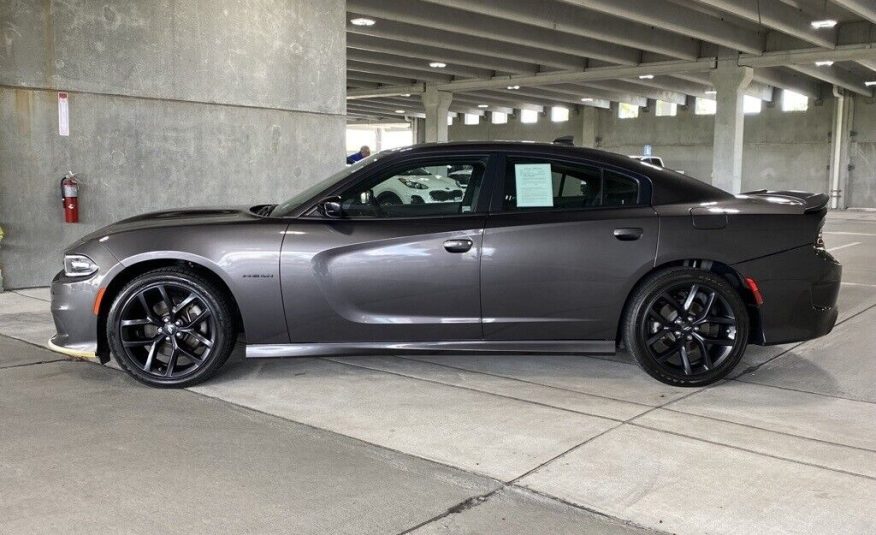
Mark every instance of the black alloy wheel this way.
pixel 687 327
pixel 171 327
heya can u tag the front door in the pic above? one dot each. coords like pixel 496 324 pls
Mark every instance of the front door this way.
pixel 401 264
pixel 563 250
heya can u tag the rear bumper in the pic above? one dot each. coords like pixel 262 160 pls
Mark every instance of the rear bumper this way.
pixel 800 289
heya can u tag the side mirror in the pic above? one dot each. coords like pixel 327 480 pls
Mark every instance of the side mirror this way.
pixel 332 208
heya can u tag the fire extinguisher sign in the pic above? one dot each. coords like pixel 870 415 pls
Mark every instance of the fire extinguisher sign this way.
pixel 63 114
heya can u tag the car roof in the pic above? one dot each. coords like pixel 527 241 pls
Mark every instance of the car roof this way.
pixel 668 186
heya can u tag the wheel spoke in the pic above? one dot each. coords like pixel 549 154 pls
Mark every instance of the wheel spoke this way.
pixel 148 366
pixel 149 312
pixel 685 360
pixel 183 304
pixel 653 314
pixel 718 321
pixel 672 302
pixel 138 322
pixel 727 342
pixel 707 357
pixel 657 337
pixel 690 297
pixel 663 357
pixel 204 341
pixel 710 302
pixel 198 320
pixel 189 354
pixel 171 362
pixel 139 343
pixel 168 302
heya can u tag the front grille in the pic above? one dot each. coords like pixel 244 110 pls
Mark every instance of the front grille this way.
pixel 442 196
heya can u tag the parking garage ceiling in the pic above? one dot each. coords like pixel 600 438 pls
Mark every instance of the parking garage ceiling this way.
pixel 501 55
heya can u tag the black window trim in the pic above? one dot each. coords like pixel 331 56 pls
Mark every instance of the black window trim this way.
pixel 488 184
pixel 497 202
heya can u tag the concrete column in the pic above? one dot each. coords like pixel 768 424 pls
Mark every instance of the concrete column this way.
pixel 730 81
pixel 437 104
pixel 589 127
pixel 840 147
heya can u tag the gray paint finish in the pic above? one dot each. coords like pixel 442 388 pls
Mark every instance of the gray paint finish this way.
pixel 234 99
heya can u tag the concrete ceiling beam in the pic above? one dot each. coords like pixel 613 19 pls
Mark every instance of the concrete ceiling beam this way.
pixel 680 20
pixel 441 18
pixel 778 16
pixel 569 19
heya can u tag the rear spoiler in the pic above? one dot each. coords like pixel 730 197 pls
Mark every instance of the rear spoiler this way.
pixel 812 202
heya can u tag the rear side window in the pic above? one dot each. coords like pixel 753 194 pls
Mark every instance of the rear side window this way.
pixel 544 185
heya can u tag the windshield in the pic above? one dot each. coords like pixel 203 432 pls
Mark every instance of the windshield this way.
pixel 283 210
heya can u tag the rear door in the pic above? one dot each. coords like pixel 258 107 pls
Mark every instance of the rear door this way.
pixel 564 243
pixel 402 264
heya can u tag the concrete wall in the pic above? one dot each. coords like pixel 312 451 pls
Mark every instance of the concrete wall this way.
pixel 172 103
pixel 782 150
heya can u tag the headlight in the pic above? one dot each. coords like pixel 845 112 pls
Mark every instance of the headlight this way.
pixel 415 184
pixel 77 265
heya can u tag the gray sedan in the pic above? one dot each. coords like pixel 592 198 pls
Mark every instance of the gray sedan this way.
pixel 543 248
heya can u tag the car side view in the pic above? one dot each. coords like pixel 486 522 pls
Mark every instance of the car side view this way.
pixel 547 248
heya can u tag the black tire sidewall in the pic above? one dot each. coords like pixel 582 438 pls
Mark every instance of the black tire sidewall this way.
pixel 217 302
pixel 658 283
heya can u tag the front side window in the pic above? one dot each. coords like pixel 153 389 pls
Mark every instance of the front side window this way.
pixel 439 188
pixel 544 185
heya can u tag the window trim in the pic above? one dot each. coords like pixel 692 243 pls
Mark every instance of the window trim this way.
pixel 488 159
pixel 500 175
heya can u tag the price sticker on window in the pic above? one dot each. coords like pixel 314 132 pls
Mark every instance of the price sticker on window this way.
pixel 535 187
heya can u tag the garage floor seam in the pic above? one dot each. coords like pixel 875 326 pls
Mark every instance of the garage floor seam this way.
pixel 470 389
pixel 553 387
pixel 749 426
pixel 755 452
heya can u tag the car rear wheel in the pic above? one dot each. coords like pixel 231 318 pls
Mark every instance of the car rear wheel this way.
pixel 171 327
pixel 686 327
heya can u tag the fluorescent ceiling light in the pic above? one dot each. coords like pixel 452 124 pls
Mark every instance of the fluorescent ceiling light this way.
pixel 870 83
pixel 711 92
pixel 405 94
pixel 513 87
pixel 399 111
pixel 362 21
pixel 437 65
pixel 823 63
pixel 821 24
pixel 646 77
pixel 483 105
pixel 586 99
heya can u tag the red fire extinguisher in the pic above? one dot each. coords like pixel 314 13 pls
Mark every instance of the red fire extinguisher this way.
pixel 70 197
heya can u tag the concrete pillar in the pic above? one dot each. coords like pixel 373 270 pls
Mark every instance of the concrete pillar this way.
pixel 730 81
pixel 840 147
pixel 589 127
pixel 437 104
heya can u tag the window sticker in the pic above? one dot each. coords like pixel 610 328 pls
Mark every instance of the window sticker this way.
pixel 535 185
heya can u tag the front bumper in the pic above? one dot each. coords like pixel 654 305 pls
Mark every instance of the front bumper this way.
pixel 75 324
pixel 800 289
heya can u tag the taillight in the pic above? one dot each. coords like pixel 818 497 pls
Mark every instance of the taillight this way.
pixel 819 241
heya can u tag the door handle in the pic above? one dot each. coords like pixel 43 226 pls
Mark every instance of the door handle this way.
pixel 628 234
pixel 458 246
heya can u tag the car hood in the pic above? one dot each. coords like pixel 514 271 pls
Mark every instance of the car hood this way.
pixel 174 218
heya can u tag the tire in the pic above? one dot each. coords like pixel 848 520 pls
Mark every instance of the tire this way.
pixel 685 341
pixel 176 345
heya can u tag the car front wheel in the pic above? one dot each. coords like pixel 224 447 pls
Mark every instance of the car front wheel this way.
pixel 686 327
pixel 171 327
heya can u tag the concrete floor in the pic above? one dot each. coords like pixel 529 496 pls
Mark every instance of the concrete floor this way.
pixel 450 444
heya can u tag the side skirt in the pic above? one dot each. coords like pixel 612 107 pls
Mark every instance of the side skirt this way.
pixel 588 347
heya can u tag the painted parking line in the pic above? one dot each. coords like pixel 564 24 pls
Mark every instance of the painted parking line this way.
pixel 841 233
pixel 832 249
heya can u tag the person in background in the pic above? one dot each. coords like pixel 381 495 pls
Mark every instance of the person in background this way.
pixel 364 152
